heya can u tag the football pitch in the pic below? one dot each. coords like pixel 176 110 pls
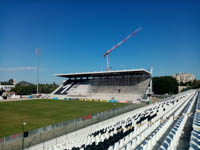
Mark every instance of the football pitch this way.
pixel 39 113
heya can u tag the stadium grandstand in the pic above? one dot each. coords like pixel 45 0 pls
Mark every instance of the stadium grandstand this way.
pixel 122 85
pixel 158 126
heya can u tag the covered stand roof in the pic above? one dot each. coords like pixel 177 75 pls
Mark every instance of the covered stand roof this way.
pixel 105 73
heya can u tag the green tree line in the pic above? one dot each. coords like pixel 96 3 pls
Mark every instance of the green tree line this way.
pixel 191 85
pixel 32 88
pixel 9 82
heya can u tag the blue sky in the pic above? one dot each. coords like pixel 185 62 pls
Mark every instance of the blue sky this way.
pixel 74 35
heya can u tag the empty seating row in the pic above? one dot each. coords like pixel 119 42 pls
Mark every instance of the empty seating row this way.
pixel 173 136
pixel 194 140
pixel 138 129
pixel 198 103
pixel 196 121
pixel 158 130
pixel 143 133
pixel 195 134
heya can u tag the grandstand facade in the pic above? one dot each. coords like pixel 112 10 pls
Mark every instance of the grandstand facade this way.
pixel 122 85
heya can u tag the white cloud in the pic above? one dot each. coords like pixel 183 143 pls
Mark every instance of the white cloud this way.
pixel 15 69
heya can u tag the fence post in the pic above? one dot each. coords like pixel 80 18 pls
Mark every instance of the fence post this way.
pixel 65 128
pixel 2 144
pixel 43 145
pixel 40 137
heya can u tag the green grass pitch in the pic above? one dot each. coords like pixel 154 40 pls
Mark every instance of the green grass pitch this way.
pixel 39 113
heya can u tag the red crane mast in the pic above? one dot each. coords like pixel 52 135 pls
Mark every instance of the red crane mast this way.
pixel 118 44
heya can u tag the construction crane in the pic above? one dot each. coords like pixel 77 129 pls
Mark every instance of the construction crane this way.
pixel 118 44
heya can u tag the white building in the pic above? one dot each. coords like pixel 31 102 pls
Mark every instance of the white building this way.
pixel 184 77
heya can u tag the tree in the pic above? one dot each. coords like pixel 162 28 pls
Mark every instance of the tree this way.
pixel 165 84
pixel 9 82
pixel 195 84
pixel 24 90
pixel 27 89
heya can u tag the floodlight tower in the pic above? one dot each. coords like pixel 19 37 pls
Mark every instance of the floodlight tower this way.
pixel 38 67
pixel 118 44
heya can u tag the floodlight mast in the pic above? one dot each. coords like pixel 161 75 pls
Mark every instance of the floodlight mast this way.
pixel 118 44
pixel 38 67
